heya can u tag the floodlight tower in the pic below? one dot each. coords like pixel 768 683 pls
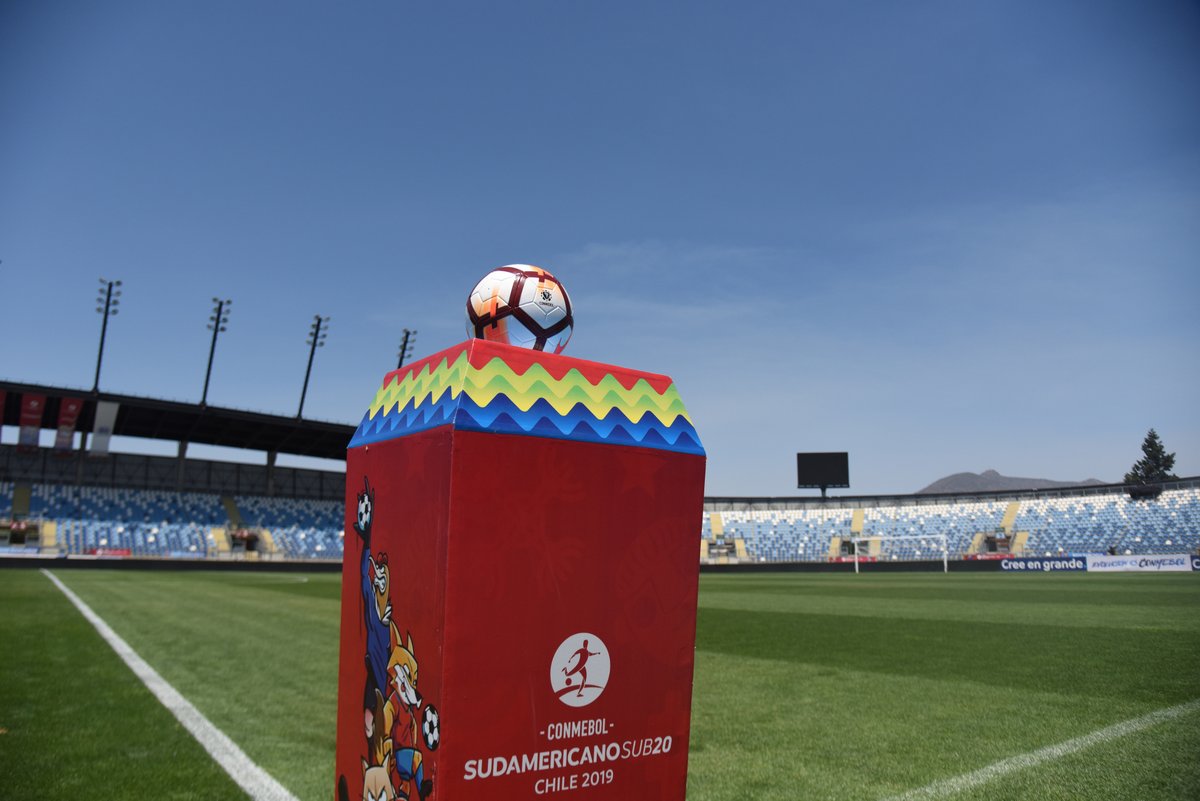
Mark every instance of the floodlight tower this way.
pixel 316 339
pixel 217 323
pixel 406 346
pixel 107 303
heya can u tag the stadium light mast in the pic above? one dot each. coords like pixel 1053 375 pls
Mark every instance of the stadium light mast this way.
pixel 316 339
pixel 406 346
pixel 107 303
pixel 217 323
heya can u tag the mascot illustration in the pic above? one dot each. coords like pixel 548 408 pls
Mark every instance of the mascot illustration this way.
pixel 400 720
pixel 376 784
pixel 377 605
pixel 393 764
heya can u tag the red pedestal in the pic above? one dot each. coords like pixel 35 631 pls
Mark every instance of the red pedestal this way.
pixel 519 586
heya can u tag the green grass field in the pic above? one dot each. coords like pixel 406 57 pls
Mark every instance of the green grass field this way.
pixel 808 686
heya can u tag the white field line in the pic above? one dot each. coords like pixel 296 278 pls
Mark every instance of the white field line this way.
pixel 957 784
pixel 257 783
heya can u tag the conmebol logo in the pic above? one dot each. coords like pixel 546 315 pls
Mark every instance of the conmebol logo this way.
pixel 579 669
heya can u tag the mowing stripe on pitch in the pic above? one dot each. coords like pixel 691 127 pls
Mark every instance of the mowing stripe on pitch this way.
pixel 967 781
pixel 257 783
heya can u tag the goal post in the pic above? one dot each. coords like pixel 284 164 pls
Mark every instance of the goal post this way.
pixel 942 539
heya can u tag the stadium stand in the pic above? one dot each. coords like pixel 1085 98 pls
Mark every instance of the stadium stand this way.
pixel 781 535
pixel 160 523
pixel 1168 524
pixel 297 528
pixel 1046 522
pixel 81 502
pixel 127 505
pixel 99 520
pixel 165 524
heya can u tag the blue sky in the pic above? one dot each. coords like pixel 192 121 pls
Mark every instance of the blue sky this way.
pixel 942 236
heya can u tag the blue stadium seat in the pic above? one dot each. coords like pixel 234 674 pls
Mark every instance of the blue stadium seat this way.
pixel 1060 524
pixel 302 528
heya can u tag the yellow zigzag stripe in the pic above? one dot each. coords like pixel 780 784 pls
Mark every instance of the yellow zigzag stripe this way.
pixel 426 385
pixel 497 378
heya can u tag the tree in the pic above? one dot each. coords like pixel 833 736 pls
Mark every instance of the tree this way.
pixel 1155 464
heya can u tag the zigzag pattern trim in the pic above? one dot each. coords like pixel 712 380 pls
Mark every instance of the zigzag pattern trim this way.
pixel 503 416
pixel 497 398
pixel 417 387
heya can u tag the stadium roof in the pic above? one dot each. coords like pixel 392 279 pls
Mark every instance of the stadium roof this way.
pixel 177 421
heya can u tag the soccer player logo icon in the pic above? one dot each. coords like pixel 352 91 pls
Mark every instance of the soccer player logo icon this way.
pixel 579 669
pixel 579 658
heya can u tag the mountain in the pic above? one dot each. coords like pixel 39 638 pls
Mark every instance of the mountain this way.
pixel 991 481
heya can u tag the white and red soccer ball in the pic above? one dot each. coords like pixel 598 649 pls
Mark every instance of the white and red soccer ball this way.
pixel 521 305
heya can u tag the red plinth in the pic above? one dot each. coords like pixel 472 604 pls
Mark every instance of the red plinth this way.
pixel 518 612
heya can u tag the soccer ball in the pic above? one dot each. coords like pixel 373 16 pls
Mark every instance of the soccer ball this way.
pixel 522 305
pixel 364 512
pixel 431 727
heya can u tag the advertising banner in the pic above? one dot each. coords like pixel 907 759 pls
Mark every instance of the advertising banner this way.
pixel 106 418
pixel 68 413
pixel 1048 564
pixel 1141 563
pixel 32 407
pixel 110 552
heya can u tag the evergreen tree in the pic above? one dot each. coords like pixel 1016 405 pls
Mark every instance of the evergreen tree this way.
pixel 1155 464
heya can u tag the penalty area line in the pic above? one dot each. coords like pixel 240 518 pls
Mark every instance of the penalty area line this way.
pixel 255 781
pixel 957 784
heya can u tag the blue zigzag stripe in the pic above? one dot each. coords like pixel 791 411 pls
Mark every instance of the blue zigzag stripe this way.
pixel 542 420
pixel 400 422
